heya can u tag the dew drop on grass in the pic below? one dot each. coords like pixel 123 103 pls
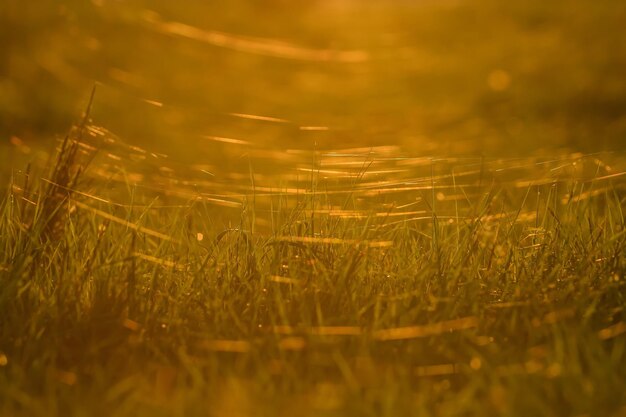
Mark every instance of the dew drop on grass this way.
pixel 554 370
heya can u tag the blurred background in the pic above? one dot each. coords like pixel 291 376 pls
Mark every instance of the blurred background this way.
pixel 479 77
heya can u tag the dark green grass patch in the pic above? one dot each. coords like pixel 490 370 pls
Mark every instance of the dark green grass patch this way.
pixel 353 282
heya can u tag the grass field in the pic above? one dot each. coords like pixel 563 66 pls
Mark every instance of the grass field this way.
pixel 287 210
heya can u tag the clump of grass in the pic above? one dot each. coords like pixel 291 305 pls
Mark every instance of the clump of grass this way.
pixel 459 287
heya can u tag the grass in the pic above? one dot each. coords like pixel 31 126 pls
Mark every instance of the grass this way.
pixel 429 72
pixel 352 282
pixel 372 208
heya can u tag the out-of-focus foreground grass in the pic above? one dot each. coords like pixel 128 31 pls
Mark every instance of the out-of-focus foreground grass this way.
pixel 331 208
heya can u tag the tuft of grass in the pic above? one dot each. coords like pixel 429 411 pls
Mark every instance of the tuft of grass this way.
pixel 405 286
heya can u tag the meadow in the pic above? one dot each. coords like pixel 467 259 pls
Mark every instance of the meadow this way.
pixel 338 209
